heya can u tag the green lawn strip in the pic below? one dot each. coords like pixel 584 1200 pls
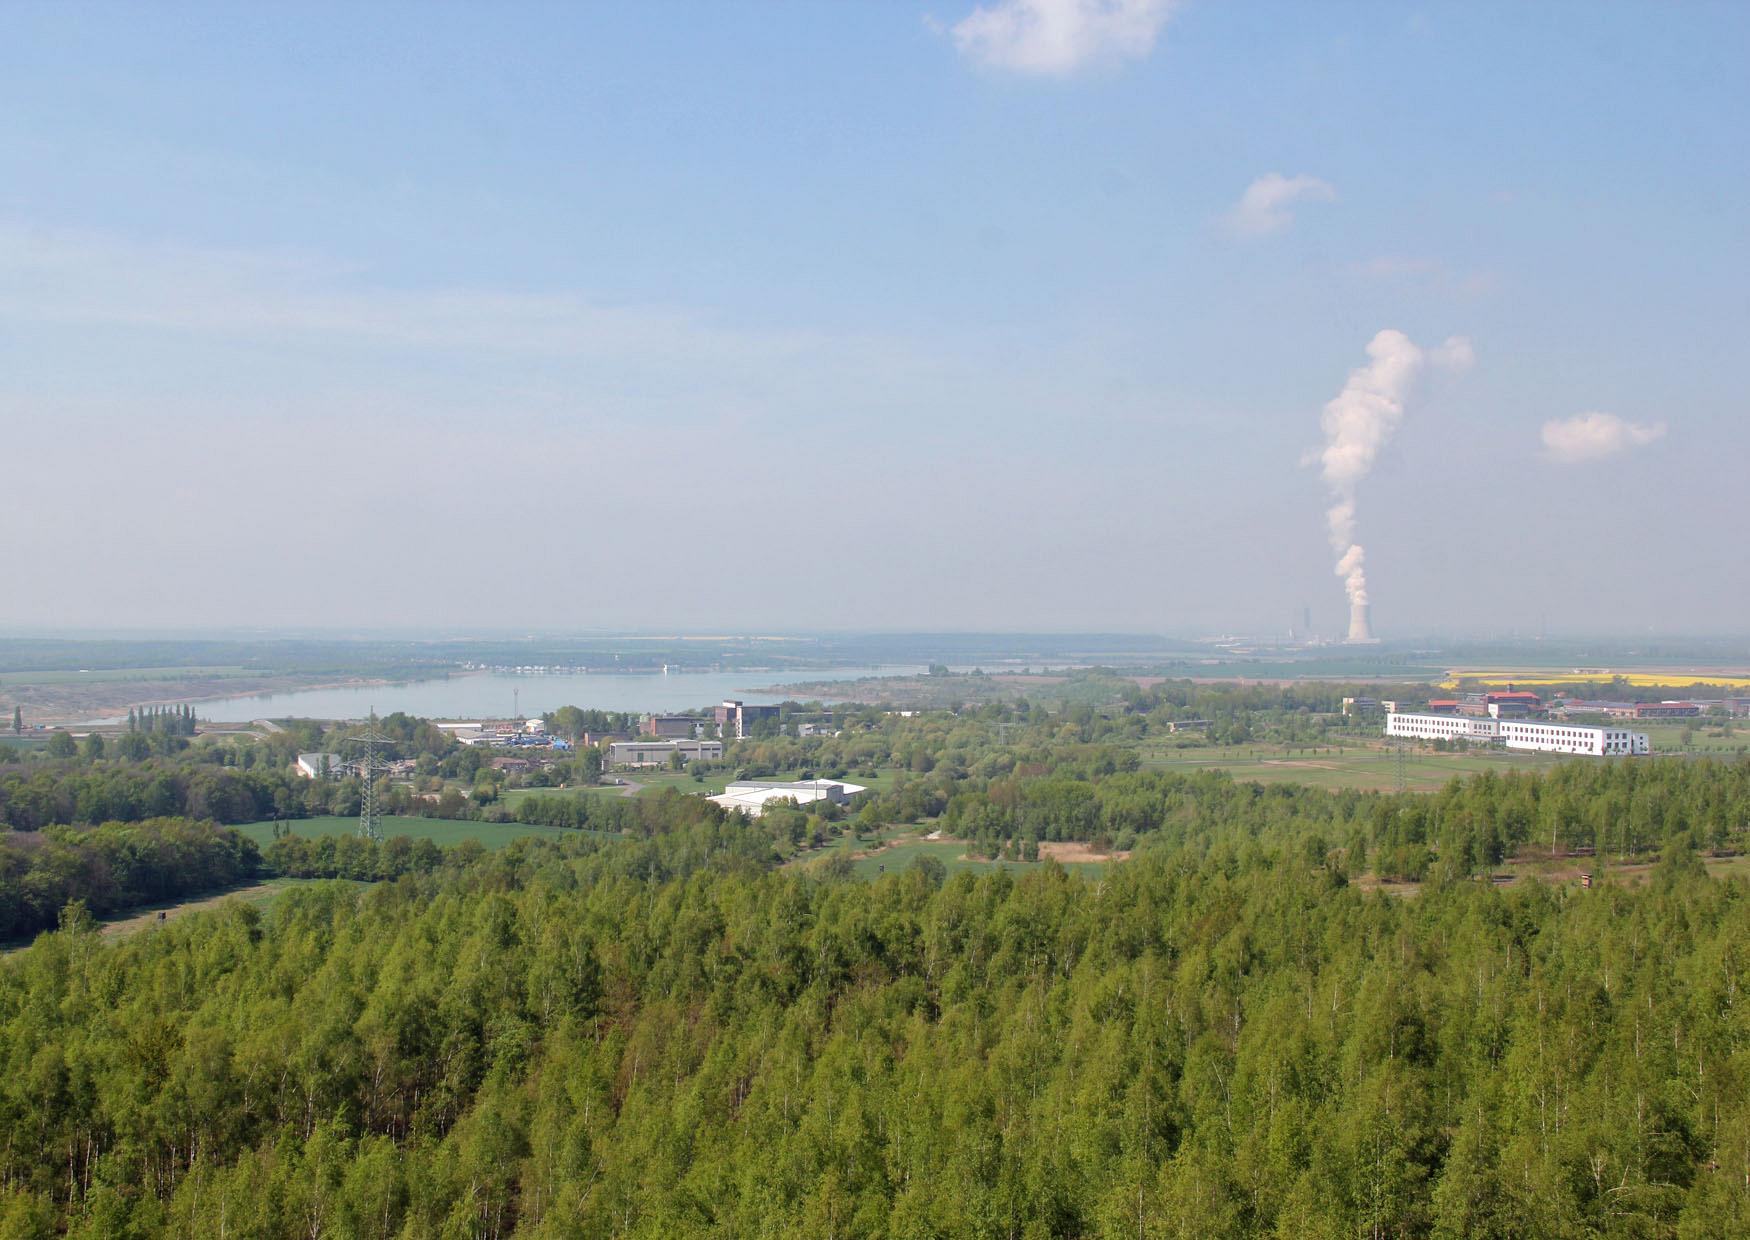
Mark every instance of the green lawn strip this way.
pixel 651 782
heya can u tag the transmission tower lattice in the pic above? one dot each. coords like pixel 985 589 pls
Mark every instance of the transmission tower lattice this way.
pixel 370 765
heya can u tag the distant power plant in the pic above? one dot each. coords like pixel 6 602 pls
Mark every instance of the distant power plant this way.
pixel 1357 422
pixel 1360 623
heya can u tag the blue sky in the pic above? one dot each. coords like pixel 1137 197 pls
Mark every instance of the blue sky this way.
pixel 870 315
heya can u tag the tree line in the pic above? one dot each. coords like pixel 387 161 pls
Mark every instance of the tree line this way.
pixel 113 867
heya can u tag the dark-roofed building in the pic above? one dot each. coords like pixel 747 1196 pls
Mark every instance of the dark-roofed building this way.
pixel 1666 710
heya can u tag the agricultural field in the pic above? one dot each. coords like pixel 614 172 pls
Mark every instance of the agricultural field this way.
pixel 1550 677
pixel 1364 768
pixel 441 831
pixel 1706 736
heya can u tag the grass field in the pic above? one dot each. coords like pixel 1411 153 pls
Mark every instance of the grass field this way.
pixel 510 796
pixel 441 831
pixel 951 853
pixel 655 781
pixel 1668 737
pixel 1424 770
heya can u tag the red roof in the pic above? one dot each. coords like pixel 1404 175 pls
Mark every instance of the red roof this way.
pixel 1518 696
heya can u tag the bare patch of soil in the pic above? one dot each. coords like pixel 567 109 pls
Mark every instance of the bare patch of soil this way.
pixel 1076 850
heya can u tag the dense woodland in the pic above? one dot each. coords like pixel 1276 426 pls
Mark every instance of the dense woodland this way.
pixel 663 1038
pixel 653 1026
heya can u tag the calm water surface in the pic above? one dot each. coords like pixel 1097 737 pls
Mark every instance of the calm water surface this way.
pixel 494 695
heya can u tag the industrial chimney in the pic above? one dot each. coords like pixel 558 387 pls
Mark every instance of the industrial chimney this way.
pixel 1360 629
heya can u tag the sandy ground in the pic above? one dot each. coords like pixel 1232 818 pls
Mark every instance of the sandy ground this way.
pixel 72 703
pixel 1076 850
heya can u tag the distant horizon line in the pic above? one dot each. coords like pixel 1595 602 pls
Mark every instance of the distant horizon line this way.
pixel 1199 636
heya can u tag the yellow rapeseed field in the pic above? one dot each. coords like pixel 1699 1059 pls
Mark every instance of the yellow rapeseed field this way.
pixel 1543 676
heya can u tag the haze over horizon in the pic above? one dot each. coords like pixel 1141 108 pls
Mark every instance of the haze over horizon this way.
pixel 1017 317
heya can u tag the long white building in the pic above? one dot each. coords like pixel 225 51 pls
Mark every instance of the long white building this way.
pixel 1575 738
pixel 750 796
pixel 659 753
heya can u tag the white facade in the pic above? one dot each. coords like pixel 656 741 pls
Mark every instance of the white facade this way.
pixel 1442 727
pixel 316 765
pixel 658 753
pixel 1571 738
pixel 751 796
pixel 1530 734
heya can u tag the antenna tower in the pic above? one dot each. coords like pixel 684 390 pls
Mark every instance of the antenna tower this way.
pixel 369 766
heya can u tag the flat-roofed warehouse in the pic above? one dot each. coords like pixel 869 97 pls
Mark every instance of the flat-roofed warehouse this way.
pixel 660 753
pixel 751 796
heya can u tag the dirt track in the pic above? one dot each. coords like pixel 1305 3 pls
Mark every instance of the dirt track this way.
pixel 140 921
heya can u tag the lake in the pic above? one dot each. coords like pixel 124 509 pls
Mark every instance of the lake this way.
pixel 494 695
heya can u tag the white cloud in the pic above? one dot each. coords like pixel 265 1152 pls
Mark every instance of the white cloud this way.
pixel 1264 207
pixel 1594 436
pixel 1057 37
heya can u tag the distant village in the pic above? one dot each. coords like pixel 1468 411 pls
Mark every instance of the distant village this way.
pixel 664 742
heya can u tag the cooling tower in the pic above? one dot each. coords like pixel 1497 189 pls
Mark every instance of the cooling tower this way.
pixel 1360 630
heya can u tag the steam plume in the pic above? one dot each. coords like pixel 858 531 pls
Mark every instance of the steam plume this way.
pixel 1356 424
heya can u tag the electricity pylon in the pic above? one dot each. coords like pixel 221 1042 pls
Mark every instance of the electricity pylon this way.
pixel 370 818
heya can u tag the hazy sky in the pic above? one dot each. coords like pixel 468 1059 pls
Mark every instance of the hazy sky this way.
pixel 890 315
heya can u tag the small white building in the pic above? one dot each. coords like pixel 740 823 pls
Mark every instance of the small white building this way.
pixel 1537 735
pixel 751 796
pixel 320 765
